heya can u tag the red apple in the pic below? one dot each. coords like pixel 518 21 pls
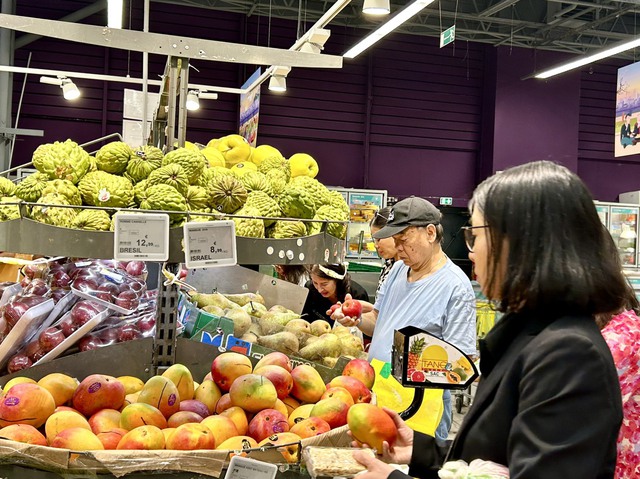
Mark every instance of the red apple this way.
pixel 108 335
pixel 18 362
pixel 83 311
pixel 37 287
pixel 107 291
pixel 128 300
pixel 136 268
pixel 31 349
pixel 86 284
pixel 60 279
pixel 146 323
pixel 352 308
pixel 333 308
pixel 128 332
pixel 67 326
pixel 58 294
pixel 50 338
pixel 90 342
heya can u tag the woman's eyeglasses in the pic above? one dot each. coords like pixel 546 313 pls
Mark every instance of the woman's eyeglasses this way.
pixel 469 237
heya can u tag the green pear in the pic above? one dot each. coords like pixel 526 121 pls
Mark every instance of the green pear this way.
pixel 241 320
pixel 285 342
pixel 328 345
pixel 245 298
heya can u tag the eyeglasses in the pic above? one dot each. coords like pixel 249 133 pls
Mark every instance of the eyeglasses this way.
pixel 469 237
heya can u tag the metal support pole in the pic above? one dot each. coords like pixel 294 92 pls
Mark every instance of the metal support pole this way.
pixel 145 77
pixel 182 97
pixel 172 91
pixel 6 84
pixel 166 322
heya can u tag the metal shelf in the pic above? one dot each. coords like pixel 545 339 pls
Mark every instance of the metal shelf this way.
pixel 28 236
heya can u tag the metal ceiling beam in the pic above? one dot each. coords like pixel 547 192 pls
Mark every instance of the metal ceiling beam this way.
pixel 492 10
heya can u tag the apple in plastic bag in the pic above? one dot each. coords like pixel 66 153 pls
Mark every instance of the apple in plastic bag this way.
pixel 128 300
pixel 68 326
pixel 83 311
pixel 136 268
pixel 108 335
pixel 14 310
pixel 18 363
pixel 50 338
pixel 60 279
pixel 108 291
pixel 37 287
pixel 146 324
pixel 128 332
pixel 86 284
pixel 90 342
pixel 58 294
pixel 38 270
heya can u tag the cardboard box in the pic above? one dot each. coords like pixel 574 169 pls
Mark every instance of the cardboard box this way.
pixel 10 270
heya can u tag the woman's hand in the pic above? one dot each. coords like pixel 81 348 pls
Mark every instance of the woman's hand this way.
pixel 336 314
pixel 376 469
pixel 400 452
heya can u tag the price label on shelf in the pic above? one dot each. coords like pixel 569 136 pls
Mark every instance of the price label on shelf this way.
pixel 143 236
pixel 209 244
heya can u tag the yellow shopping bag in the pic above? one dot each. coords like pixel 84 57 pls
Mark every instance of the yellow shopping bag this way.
pixel 390 393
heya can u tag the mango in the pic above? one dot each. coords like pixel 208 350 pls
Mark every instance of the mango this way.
pixel 370 425
pixel 161 393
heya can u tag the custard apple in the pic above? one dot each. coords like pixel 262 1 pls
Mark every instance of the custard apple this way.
pixel 319 192
pixel 140 191
pixel 166 198
pixel 277 182
pixel 30 189
pixel 100 188
pixel 287 229
pixel 114 157
pixel 64 160
pixel 266 205
pixel 94 220
pixel 173 175
pixel 144 160
pixel 297 202
pixel 336 200
pixel 8 211
pixel 196 198
pixel 256 181
pixel 93 166
pixel 192 161
pixel 7 187
pixel 64 188
pixel 226 194
pixel 327 212
pixel 276 163
pixel 251 227
pixel 52 215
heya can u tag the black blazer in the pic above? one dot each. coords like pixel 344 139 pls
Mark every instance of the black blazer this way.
pixel 548 404
pixel 316 305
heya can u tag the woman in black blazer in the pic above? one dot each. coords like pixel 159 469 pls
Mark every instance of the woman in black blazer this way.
pixel 548 404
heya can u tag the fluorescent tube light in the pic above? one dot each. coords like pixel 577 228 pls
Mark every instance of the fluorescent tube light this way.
pixel 585 60
pixel 394 22
pixel 114 13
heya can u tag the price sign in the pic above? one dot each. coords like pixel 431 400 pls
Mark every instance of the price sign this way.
pixel 245 468
pixel 143 236
pixel 209 244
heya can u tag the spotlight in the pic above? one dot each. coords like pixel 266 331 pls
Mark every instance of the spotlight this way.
pixel 376 7
pixel 193 100
pixel 278 83
pixel 69 89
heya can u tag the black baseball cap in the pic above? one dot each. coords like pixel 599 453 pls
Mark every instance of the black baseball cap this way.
pixel 412 211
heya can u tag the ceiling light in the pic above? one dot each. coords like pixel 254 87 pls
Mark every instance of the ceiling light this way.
pixel 394 22
pixel 69 89
pixel 114 13
pixel 376 7
pixel 278 83
pixel 586 59
pixel 193 100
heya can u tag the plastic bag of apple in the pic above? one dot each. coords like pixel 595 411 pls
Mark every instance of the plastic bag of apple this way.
pixel 236 407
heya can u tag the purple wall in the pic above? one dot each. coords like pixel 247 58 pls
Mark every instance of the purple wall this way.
pixel 408 117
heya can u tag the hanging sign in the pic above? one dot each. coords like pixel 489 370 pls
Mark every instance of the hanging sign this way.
pixel 448 36
pixel 209 244
pixel 141 236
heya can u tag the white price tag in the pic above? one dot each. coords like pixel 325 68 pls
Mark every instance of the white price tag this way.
pixel 208 244
pixel 245 468
pixel 141 236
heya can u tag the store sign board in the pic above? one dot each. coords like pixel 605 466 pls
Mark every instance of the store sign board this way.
pixel 446 201
pixel 448 36
pixel 141 236
pixel 210 244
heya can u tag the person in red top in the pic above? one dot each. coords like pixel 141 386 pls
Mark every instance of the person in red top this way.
pixel 622 334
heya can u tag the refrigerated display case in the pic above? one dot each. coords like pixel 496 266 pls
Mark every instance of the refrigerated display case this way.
pixel 363 204
pixel 622 222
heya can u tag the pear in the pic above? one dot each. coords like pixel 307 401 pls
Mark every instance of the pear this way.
pixel 308 340
pixel 320 327
pixel 329 362
pixel 213 299
pixel 270 326
pixel 328 345
pixel 215 310
pixel 351 345
pixel 285 342
pixel 245 298
pixel 249 337
pixel 241 320
pixel 255 328
pixel 255 309
pixel 278 308
pixel 300 328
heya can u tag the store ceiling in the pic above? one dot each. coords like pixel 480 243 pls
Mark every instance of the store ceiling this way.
pixel 569 26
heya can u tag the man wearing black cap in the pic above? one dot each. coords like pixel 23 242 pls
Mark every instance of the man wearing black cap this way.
pixel 423 289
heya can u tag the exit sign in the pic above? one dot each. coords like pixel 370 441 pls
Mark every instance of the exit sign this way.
pixel 448 36
pixel 446 201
